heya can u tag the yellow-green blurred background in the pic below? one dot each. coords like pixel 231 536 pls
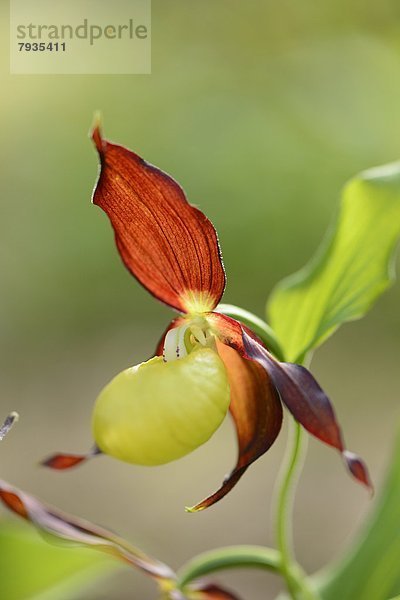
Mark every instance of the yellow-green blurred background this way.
pixel 262 110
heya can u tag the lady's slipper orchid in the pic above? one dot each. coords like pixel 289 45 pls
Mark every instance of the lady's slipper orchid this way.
pixel 206 363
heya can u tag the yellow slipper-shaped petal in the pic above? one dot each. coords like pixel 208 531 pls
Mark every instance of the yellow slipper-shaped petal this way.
pixel 159 411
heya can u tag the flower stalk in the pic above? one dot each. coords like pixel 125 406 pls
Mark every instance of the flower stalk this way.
pixel 295 578
pixel 291 469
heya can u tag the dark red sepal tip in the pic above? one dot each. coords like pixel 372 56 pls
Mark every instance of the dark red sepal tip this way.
pixel 63 462
pixel 358 469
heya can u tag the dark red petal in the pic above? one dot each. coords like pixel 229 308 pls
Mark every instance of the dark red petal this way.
pixel 62 462
pixel 213 592
pixel 307 402
pixel 257 413
pixel 68 528
pixel 358 468
pixel 166 243
pixel 297 388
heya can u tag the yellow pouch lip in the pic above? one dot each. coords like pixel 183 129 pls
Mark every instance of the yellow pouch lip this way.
pixel 157 411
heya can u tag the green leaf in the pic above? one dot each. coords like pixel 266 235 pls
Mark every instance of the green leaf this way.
pixel 370 570
pixel 33 569
pixel 352 268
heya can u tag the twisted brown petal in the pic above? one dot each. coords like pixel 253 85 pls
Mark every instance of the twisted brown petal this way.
pixel 166 243
pixel 65 527
pixel 257 413
pixel 297 388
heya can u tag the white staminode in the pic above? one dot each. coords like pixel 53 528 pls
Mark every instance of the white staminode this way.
pixel 180 341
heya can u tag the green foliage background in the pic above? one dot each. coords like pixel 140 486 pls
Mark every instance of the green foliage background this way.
pixel 262 110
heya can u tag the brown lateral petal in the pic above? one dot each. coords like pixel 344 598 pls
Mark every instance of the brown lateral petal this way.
pixel 52 521
pixel 297 388
pixel 166 243
pixel 62 462
pixel 308 403
pixel 257 413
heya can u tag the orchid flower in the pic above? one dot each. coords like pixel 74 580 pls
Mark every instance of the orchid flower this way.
pixel 206 363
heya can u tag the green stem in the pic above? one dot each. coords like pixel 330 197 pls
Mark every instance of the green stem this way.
pixel 235 557
pixel 280 561
pixel 296 579
pixel 230 557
